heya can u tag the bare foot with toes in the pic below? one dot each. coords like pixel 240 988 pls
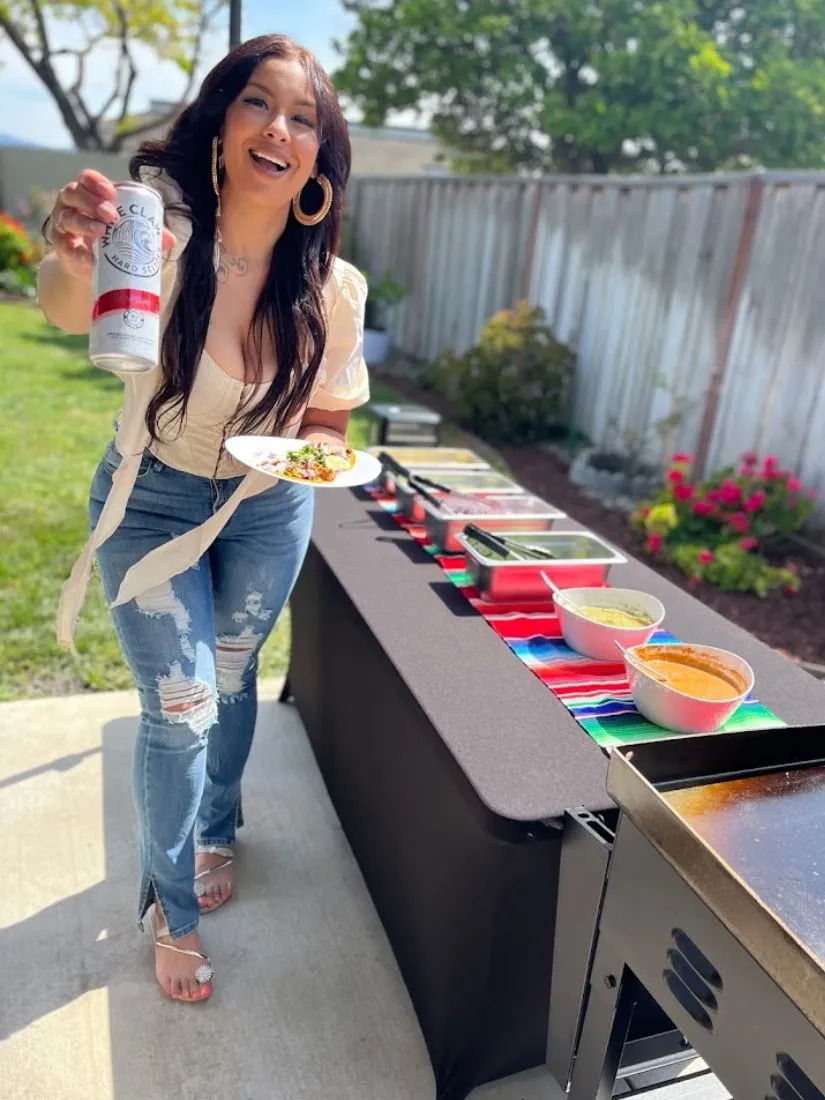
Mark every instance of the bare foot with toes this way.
pixel 214 879
pixel 182 967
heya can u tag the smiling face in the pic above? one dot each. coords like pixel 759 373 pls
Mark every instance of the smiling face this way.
pixel 270 135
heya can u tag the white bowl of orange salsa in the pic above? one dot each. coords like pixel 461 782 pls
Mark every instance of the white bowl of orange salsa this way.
pixel 688 688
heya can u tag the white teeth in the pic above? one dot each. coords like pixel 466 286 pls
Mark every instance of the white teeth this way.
pixel 272 160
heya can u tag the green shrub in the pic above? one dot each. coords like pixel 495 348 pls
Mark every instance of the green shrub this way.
pixel 721 530
pixel 19 283
pixel 514 386
pixel 384 294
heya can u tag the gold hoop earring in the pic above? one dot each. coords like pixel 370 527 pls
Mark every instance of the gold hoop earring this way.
pixel 217 246
pixel 216 156
pixel 317 218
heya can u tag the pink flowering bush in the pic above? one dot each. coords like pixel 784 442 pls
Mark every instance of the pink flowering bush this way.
pixel 719 531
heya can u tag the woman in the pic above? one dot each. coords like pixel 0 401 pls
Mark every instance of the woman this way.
pixel 262 333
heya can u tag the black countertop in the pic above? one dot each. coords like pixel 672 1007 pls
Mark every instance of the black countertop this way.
pixel 519 747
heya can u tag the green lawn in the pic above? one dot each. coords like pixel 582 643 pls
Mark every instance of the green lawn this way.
pixel 57 418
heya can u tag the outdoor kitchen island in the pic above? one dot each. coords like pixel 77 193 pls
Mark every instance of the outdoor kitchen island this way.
pixel 451 765
pixel 713 901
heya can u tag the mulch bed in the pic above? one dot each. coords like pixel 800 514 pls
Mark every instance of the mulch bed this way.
pixel 794 625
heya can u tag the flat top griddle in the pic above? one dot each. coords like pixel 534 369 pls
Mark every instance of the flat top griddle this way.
pixel 770 831
pixel 741 818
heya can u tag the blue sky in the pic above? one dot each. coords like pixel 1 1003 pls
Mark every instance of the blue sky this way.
pixel 28 111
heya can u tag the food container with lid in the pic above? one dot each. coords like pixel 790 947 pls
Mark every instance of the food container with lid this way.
pixel 673 709
pixel 597 639
pixel 527 513
pixel 575 559
pixel 465 482
pixel 406 425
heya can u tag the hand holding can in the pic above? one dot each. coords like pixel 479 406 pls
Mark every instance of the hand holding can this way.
pixel 83 211
pixel 126 289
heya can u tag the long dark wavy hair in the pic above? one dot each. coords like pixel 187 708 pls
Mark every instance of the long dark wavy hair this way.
pixel 290 307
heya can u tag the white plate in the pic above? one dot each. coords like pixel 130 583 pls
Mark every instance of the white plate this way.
pixel 254 449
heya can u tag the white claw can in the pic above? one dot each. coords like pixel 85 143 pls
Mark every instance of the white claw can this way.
pixel 125 329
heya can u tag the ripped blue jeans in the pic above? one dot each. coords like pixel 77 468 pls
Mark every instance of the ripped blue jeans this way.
pixel 192 645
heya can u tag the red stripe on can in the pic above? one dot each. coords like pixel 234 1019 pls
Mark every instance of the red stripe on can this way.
pixel 118 301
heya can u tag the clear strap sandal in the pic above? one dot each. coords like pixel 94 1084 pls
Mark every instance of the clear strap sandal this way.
pixel 204 972
pixel 201 888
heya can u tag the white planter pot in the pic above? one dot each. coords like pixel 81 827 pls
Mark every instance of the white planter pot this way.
pixel 376 346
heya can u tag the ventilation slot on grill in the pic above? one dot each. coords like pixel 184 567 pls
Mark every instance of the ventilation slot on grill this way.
pixel 694 982
pixel 792 1083
pixel 700 963
pixel 686 999
pixel 692 979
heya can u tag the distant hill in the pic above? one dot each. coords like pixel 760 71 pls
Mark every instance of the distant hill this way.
pixel 9 139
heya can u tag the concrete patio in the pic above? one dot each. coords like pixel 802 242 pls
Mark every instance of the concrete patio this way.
pixel 309 1002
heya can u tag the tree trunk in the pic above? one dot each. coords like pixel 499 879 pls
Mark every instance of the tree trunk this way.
pixel 81 135
pixel 43 69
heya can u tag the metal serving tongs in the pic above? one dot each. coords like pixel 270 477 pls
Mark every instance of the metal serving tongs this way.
pixel 400 470
pixel 418 480
pixel 421 485
pixel 503 545
pixel 425 488
pixel 392 463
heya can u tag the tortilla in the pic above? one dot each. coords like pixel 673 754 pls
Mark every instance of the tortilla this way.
pixel 313 463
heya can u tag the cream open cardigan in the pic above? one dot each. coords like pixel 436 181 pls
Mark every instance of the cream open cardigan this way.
pixel 342 383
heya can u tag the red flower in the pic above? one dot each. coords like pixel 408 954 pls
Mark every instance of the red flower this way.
pixel 789 590
pixel 703 508
pixel 749 459
pixel 812 494
pixel 705 557
pixel 682 457
pixel 730 493
pixel 694 582
pixel 654 542
pixel 714 495
pixel 12 223
pixel 739 522
pixel 754 503
pixel 771 464
pixel 749 543
pixel 794 484
pixel 675 477
pixel 684 492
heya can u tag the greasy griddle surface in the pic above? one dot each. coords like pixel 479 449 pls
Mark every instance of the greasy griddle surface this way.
pixel 770 831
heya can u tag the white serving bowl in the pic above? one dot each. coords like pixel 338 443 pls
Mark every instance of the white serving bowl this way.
pixel 598 640
pixel 674 710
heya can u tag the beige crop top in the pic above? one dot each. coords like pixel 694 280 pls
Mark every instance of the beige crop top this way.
pixel 213 402
pixel 342 383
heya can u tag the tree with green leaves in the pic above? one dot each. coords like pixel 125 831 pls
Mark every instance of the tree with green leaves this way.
pixel 597 85
pixel 56 37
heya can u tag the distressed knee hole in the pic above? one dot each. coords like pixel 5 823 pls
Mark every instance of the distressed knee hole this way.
pixel 162 600
pixel 233 653
pixel 253 609
pixel 187 701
